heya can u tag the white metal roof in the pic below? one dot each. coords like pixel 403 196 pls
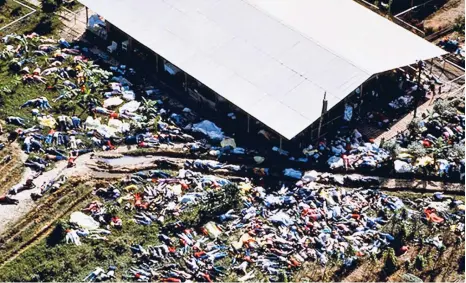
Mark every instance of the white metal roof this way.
pixel 272 58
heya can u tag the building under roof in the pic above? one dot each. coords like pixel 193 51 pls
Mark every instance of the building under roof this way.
pixel 274 59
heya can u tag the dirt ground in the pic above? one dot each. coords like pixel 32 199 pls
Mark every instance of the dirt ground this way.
pixel 446 15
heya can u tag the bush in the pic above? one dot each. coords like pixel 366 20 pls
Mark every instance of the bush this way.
pixel 46 25
pixel 58 233
pixel 414 128
pixel 391 262
pixel 392 146
pixel 459 24
pixel 420 262
pixel 457 151
pixel 219 202
pixel 16 12
pixel 50 6
pixel 417 149
pixel 445 108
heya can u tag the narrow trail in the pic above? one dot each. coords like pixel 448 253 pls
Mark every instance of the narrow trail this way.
pixel 9 214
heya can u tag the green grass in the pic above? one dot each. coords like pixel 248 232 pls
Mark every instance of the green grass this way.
pixel 11 11
pixel 57 261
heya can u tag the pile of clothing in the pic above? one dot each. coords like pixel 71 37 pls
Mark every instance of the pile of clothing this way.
pixel 348 152
pixel 273 233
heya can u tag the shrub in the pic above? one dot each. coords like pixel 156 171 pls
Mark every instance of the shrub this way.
pixel 16 12
pixel 50 6
pixel 392 146
pixel 457 151
pixel 459 24
pixel 414 127
pixel 417 149
pixel 45 25
pixel 391 262
pixel 420 262
pixel 219 202
pixel 58 233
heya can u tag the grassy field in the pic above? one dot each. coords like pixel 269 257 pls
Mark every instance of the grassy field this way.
pixel 11 11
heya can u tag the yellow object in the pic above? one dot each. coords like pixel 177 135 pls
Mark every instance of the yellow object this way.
pixel 213 230
pixel 245 187
pixel 47 122
pixel 424 161
pixel 244 239
pixel 228 142
pixel 131 188
pixel 404 155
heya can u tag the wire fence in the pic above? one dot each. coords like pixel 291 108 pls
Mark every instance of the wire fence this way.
pixel 413 18
pixel 16 24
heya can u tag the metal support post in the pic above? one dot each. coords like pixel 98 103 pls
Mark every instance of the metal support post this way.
pixel 324 110
pixel 417 92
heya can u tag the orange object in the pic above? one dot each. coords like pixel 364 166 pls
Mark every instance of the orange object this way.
pixel 432 216
pixel 199 254
pixel 294 262
pixel 204 231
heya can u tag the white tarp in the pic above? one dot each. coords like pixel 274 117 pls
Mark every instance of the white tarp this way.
pixel 83 220
pixel 112 101
pixel 402 167
pixel 274 59
pixel 131 106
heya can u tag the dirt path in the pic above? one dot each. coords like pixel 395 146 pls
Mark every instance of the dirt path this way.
pixel 9 214
pixel 446 15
